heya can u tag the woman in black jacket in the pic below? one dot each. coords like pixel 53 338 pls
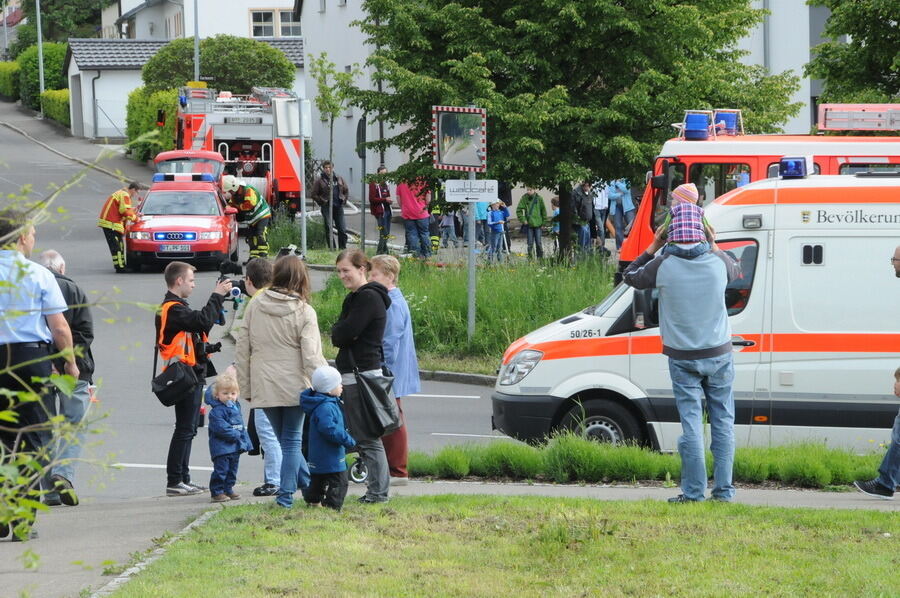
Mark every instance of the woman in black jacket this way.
pixel 357 335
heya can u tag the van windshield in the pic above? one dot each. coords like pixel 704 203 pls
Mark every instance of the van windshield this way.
pixel 600 308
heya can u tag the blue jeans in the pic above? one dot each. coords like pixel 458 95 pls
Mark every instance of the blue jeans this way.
pixel 534 241
pixel 384 223
pixel 448 236
pixel 224 474
pixel 418 237
pixel 496 244
pixel 698 249
pixel 600 219
pixel 73 408
pixel 288 425
pixel 584 236
pixel 692 380
pixel 270 446
pixel 621 222
pixel 889 471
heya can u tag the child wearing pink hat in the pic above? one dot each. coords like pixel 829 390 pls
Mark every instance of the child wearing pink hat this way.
pixel 685 224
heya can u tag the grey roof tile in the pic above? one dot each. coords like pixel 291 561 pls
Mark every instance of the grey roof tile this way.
pixel 132 54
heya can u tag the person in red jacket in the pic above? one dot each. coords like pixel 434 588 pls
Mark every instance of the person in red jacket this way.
pixel 115 213
pixel 413 199
pixel 380 207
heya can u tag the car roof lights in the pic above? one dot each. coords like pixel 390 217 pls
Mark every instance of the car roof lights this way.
pixel 795 167
pixel 204 177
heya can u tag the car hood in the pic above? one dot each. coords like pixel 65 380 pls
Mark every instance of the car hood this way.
pixel 177 222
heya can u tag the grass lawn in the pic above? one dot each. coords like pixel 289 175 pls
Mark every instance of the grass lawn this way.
pixel 529 546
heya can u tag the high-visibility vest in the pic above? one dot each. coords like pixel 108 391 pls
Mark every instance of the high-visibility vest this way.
pixel 116 209
pixel 253 205
pixel 182 346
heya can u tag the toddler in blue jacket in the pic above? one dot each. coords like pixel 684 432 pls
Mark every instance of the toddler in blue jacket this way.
pixel 228 437
pixel 328 439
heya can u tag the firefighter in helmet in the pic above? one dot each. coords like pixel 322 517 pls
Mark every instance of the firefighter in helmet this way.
pixel 115 213
pixel 253 210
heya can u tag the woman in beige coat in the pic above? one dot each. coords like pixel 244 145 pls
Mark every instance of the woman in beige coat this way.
pixel 276 357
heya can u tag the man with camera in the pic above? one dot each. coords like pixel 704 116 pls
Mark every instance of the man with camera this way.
pixel 181 336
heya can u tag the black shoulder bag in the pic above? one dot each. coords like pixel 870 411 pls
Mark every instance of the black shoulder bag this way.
pixel 175 382
pixel 376 413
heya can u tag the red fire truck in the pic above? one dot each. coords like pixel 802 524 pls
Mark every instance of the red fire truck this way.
pixel 243 130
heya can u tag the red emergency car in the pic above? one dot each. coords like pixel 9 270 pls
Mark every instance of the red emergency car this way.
pixel 183 217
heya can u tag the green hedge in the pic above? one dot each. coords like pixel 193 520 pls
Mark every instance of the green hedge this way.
pixel 145 138
pixel 9 80
pixel 568 458
pixel 56 105
pixel 29 76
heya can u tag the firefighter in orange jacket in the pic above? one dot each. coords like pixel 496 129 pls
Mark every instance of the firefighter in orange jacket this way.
pixel 115 213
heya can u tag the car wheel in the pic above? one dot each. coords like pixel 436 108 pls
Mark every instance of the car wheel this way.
pixel 234 257
pixel 604 421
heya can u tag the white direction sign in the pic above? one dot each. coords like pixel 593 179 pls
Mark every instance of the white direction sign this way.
pixel 464 190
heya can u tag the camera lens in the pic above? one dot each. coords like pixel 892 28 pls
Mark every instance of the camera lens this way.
pixel 235 292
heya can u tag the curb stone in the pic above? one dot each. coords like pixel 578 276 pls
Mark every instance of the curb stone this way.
pixel 456 377
pixel 126 575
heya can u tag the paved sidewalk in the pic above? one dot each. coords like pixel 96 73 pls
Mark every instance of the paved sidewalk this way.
pixel 77 544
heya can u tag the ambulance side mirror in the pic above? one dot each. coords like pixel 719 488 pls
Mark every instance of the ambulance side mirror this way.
pixel 645 309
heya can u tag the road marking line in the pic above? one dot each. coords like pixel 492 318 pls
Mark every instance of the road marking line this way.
pixel 421 396
pixel 471 435
pixel 153 466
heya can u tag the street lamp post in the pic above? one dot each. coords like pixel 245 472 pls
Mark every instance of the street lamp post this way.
pixel 40 45
pixel 196 44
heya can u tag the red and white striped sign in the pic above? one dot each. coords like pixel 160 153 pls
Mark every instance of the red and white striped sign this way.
pixel 441 140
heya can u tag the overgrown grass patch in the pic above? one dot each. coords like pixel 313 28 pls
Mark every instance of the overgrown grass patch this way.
pixel 528 546
pixel 512 300
pixel 568 458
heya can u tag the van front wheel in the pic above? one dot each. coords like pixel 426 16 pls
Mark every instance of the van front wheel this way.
pixel 603 421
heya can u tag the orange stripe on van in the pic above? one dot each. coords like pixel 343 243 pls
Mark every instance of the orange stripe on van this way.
pixel 813 195
pixel 651 345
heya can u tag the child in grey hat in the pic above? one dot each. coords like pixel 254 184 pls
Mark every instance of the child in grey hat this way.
pixel 328 440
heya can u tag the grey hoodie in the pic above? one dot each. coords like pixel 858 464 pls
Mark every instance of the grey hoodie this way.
pixel 693 319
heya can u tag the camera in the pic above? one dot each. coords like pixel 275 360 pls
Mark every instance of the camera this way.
pixel 227 267
pixel 204 350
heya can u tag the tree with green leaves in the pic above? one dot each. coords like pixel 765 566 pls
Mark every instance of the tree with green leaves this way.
pixel 573 89
pixel 333 91
pixel 60 20
pixel 235 64
pixel 865 67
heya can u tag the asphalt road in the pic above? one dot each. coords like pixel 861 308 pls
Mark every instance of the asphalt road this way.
pixel 135 428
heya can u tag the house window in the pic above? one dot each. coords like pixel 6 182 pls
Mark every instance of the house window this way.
pixel 288 26
pixel 263 23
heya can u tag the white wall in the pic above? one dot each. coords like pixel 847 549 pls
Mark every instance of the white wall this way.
pixel 112 90
pixel 782 43
pixel 231 17
pixel 331 32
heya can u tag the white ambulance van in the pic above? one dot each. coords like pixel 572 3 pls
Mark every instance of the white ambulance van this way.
pixel 815 319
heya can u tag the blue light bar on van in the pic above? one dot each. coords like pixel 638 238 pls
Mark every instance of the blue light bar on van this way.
pixel 798 167
pixel 204 177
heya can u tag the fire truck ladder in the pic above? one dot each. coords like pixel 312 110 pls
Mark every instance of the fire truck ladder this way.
pixel 859 117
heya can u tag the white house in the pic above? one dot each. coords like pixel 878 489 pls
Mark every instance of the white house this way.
pixel 783 41
pixel 102 72
pixel 168 19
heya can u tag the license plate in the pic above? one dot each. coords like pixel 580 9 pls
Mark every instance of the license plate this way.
pixel 175 248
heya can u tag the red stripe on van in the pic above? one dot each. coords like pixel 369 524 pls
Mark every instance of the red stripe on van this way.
pixel 776 343
pixel 813 195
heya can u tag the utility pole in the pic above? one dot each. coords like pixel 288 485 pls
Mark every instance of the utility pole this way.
pixel 40 45
pixel 196 44
pixel 5 33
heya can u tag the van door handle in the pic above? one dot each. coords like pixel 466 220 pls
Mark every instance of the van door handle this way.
pixel 739 342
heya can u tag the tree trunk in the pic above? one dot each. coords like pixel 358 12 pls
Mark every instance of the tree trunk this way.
pixel 565 220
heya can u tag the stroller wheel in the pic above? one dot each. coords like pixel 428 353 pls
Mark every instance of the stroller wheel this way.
pixel 358 472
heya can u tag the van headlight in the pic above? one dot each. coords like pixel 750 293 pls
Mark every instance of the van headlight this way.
pixel 520 366
pixel 211 235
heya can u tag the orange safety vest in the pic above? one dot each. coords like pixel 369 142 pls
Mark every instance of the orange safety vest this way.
pixel 182 346
pixel 116 209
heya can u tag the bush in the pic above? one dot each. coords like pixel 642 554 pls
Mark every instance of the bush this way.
pixel 283 232
pixel 55 103
pixel 9 80
pixel 225 58
pixel 451 462
pixel 29 76
pixel 512 301
pixel 506 460
pixel 145 138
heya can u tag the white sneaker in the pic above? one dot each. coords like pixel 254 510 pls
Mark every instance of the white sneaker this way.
pixel 399 481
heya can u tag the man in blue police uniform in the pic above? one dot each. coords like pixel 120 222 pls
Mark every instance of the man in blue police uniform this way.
pixel 33 322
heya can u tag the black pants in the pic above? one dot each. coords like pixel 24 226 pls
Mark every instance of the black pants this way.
pixel 257 238
pixel 31 414
pixel 336 221
pixel 187 416
pixel 328 489
pixel 116 242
